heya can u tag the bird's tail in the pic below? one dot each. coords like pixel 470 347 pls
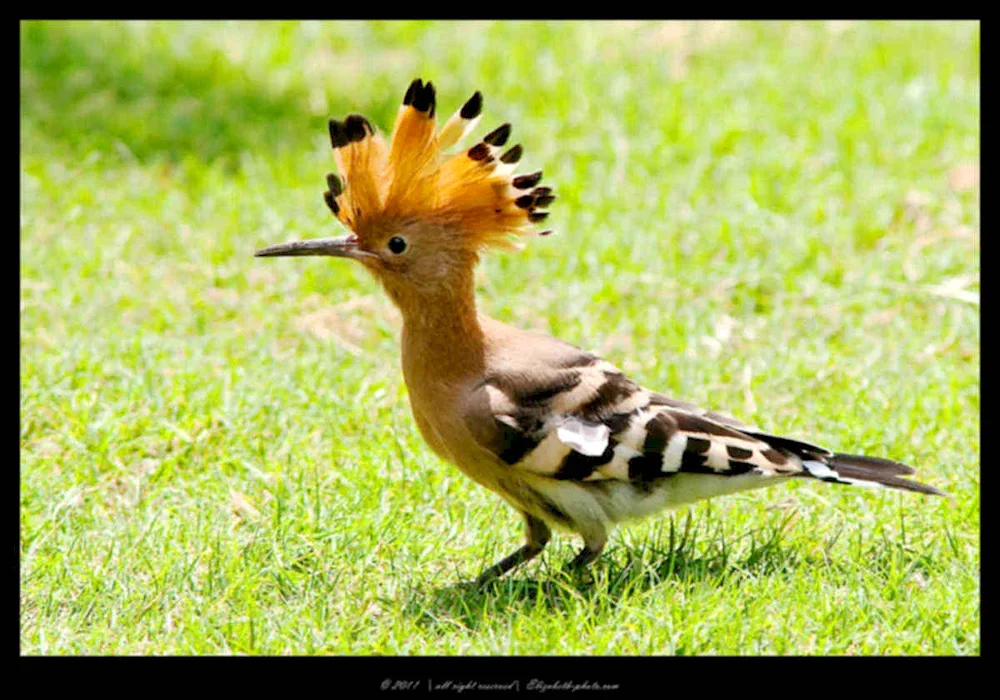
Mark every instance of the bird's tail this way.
pixel 859 470
pixel 839 468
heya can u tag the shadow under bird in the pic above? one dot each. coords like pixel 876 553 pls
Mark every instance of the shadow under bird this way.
pixel 562 435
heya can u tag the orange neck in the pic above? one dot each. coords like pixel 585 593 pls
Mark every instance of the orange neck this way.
pixel 443 341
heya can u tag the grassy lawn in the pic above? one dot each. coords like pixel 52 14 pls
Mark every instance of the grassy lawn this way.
pixel 776 220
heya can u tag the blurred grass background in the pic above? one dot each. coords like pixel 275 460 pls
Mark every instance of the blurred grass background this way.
pixel 779 220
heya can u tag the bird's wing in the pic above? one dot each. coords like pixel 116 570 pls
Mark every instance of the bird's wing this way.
pixel 583 419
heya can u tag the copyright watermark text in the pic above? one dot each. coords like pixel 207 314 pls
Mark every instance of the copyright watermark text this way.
pixel 534 685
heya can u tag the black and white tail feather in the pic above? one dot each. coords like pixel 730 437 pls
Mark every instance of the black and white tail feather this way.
pixel 858 470
pixel 842 468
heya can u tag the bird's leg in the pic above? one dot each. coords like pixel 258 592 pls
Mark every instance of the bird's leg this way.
pixel 537 534
pixel 592 548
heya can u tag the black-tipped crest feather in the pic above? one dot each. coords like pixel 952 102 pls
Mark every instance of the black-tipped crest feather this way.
pixel 498 136
pixel 473 106
pixel 513 155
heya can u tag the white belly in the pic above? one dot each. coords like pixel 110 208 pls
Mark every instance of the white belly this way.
pixel 624 501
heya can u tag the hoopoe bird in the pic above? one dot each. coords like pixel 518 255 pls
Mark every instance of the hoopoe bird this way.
pixel 560 434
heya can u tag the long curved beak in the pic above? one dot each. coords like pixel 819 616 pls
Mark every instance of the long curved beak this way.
pixel 340 247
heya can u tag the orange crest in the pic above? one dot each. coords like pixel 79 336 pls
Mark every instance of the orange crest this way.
pixel 473 193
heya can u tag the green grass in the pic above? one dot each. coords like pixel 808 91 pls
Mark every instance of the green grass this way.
pixel 217 455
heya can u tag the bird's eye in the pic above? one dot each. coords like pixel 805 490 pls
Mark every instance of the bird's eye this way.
pixel 397 245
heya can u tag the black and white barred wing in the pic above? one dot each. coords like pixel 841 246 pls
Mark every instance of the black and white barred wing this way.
pixel 590 422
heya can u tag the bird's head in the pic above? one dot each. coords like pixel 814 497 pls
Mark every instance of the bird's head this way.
pixel 418 217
